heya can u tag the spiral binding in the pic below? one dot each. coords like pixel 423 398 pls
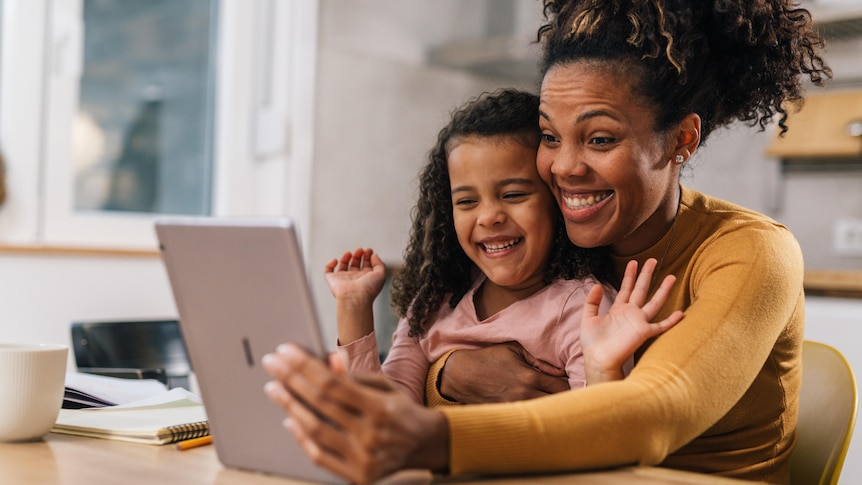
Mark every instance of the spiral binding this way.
pixel 182 432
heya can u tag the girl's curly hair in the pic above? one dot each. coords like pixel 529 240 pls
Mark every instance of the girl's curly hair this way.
pixel 725 60
pixel 435 265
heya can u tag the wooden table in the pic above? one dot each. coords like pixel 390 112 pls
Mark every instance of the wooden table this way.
pixel 71 460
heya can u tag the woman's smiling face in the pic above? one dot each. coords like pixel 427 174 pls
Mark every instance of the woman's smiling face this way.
pixel 608 168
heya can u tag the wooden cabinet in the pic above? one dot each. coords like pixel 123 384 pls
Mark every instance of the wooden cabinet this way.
pixel 829 125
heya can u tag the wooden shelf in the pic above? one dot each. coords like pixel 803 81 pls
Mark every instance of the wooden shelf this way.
pixel 820 128
pixel 844 284
pixel 77 251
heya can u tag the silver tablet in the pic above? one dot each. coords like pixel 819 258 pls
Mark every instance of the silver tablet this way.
pixel 241 289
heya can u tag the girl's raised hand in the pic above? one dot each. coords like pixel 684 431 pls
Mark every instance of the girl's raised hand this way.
pixel 357 275
pixel 609 340
pixel 355 280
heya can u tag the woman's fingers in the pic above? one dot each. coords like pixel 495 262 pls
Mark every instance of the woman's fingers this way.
pixel 324 428
pixel 328 459
pixel 311 380
pixel 310 430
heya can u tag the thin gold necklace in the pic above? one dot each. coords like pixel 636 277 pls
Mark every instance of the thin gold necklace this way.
pixel 672 232
pixel 667 247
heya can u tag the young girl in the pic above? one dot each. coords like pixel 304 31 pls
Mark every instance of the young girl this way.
pixel 488 262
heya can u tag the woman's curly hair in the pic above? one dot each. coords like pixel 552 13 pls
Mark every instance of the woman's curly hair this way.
pixel 725 60
pixel 435 265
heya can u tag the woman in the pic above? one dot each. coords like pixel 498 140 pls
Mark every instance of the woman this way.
pixel 630 91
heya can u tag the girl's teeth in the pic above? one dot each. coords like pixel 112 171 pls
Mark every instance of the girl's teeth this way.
pixel 499 246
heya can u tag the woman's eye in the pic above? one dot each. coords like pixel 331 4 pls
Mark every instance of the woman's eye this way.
pixel 549 138
pixel 602 140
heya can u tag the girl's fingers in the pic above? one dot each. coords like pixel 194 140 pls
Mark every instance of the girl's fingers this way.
pixel 592 302
pixel 356 260
pixel 658 328
pixel 628 282
pixel 344 263
pixel 652 307
pixel 642 284
pixel 376 261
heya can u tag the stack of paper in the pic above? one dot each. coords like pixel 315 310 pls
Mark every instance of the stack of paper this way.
pixel 168 417
pixel 91 390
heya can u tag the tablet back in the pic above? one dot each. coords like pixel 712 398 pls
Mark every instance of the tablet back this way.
pixel 241 289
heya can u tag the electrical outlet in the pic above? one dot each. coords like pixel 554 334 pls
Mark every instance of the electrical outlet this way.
pixel 848 237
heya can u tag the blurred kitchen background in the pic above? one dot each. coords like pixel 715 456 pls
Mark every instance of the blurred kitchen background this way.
pixel 116 112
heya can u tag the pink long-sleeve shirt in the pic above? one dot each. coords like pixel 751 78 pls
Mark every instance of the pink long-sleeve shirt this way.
pixel 546 324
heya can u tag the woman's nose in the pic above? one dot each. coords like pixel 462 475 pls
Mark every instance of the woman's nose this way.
pixel 569 163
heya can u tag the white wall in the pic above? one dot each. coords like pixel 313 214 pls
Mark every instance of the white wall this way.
pixel 41 295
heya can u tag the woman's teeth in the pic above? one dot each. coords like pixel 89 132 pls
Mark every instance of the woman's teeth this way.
pixel 580 202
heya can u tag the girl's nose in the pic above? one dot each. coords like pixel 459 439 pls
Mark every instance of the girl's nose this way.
pixel 491 214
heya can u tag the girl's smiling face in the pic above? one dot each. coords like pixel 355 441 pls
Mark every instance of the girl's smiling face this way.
pixel 607 166
pixel 501 209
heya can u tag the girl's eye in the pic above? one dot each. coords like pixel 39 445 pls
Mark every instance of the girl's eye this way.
pixel 514 195
pixel 465 202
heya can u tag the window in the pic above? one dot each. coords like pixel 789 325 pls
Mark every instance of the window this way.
pixel 116 112
pixel 142 137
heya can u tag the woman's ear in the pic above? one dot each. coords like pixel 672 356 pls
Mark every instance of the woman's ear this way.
pixel 688 136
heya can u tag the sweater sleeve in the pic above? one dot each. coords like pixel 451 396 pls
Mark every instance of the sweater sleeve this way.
pixel 433 397
pixel 687 380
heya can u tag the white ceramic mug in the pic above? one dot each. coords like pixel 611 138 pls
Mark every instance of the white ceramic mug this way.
pixel 32 381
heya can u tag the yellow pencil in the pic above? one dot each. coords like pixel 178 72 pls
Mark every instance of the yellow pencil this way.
pixel 195 442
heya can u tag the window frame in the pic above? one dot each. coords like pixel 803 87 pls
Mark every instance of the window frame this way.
pixel 262 135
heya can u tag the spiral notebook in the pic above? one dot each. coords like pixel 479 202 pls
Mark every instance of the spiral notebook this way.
pixel 174 416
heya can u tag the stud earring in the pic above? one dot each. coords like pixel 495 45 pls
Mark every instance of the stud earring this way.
pixel 679 159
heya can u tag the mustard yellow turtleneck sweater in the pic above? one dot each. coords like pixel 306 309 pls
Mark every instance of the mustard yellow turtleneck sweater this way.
pixel 716 394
